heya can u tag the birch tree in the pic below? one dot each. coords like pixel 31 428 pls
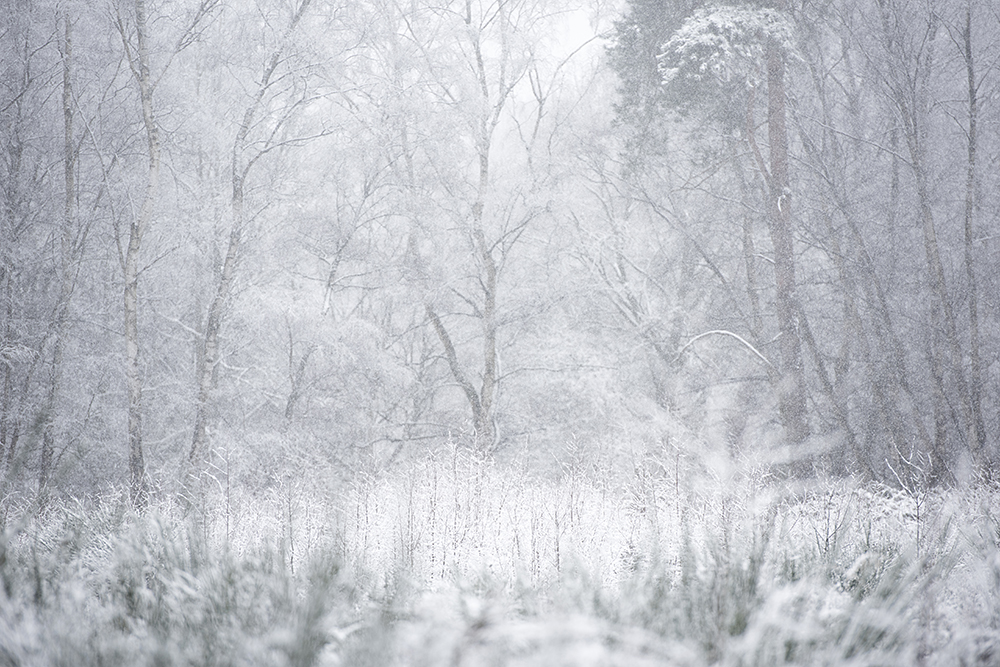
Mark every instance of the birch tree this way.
pixel 259 132
pixel 25 67
pixel 133 27
pixel 70 246
pixel 487 58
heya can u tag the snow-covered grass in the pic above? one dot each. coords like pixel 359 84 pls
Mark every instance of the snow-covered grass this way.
pixel 455 560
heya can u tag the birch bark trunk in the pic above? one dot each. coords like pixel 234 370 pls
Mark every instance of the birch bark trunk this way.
pixel 139 62
pixel 208 353
pixel 482 401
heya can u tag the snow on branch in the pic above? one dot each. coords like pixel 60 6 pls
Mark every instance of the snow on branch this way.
pixel 725 43
pixel 722 332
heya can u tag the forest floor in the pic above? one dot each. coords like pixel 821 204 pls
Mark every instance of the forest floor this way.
pixel 458 561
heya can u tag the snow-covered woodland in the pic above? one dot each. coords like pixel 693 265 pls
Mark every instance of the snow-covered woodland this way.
pixel 487 332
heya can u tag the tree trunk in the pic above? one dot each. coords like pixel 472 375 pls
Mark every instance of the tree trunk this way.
pixel 978 436
pixel 484 424
pixel 66 277
pixel 479 417
pixel 485 430
pixel 944 314
pixel 138 491
pixel 208 354
pixel 296 375
pixel 791 386
pixel 209 350
pixel 483 401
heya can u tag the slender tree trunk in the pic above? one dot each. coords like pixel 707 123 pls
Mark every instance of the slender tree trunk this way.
pixel 138 491
pixel 209 350
pixel 13 222
pixel 485 430
pixel 483 401
pixel 10 426
pixel 66 278
pixel 296 375
pixel 978 436
pixel 791 387
pixel 750 265
pixel 208 354
pixel 456 369
pixel 945 314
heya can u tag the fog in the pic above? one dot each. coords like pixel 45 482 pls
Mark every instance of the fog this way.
pixel 473 333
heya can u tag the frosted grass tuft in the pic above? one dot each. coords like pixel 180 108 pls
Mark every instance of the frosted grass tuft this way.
pixel 458 560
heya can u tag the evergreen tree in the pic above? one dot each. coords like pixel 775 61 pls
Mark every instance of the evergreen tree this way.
pixel 639 37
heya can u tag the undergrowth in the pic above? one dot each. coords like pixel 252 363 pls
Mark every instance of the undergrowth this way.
pixel 457 561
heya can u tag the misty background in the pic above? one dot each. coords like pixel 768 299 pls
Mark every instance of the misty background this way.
pixel 643 325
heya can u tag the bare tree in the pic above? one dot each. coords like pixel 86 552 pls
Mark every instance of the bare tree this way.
pixel 973 82
pixel 488 61
pixel 906 59
pixel 134 31
pixel 244 156
pixel 70 247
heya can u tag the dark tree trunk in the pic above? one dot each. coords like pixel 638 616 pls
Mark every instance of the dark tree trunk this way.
pixel 978 436
pixel 791 385
pixel 66 277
